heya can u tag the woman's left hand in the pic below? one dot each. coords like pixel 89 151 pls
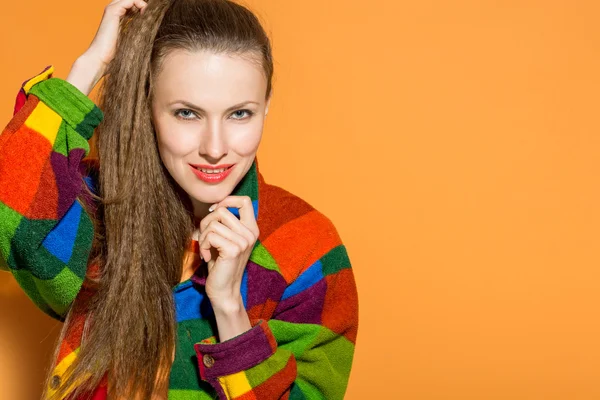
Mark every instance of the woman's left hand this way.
pixel 226 243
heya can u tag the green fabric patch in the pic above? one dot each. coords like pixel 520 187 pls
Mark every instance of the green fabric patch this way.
pixel 307 391
pixel 86 127
pixel 27 239
pixel 263 371
pixel 68 139
pixel 323 358
pixel 10 222
pixel 261 256
pixel 184 371
pixel 179 394
pixel 296 392
pixel 40 262
pixel 27 253
pixel 82 246
pixel 248 186
pixel 335 260
pixel 60 291
pixel 60 143
pixel 76 141
pixel 27 283
pixel 293 336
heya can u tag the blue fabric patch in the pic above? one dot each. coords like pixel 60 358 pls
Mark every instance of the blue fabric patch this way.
pixel 90 184
pixel 244 287
pixel 236 211
pixel 191 303
pixel 61 239
pixel 307 279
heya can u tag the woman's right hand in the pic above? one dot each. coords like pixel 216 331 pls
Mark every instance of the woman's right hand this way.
pixel 91 65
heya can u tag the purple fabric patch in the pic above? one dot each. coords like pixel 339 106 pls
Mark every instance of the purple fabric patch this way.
pixel 237 354
pixel 263 284
pixel 305 307
pixel 200 274
pixel 68 178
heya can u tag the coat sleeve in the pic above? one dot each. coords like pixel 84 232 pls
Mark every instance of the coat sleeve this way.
pixel 45 234
pixel 304 352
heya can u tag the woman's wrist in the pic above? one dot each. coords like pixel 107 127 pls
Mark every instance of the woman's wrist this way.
pixel 85 73
pixel 232 318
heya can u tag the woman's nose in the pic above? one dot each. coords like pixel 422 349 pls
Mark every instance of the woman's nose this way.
pixel 212 142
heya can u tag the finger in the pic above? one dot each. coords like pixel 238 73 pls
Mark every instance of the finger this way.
pixel 246 210
pixel 223 215
pixel 141 4
pixel 225 247
pixel 121 7
pixel 222 230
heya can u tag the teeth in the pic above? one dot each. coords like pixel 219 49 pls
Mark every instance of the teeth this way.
pixel 212 171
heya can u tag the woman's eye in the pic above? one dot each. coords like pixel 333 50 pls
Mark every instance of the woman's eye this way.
pixel 184 114
pixel 239 114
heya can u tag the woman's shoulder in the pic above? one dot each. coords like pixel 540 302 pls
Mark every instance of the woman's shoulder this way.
pixel 293 231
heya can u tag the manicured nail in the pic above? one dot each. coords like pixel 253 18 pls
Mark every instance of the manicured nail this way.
pixel 212 208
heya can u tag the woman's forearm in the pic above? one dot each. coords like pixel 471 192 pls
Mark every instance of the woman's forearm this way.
pixel 85 73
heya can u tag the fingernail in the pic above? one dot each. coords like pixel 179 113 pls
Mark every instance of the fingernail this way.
pixel 212 208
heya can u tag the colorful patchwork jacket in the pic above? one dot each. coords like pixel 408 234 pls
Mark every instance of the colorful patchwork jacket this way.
pixel 298 286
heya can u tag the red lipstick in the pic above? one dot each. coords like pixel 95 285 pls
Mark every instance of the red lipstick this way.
pixel 211 177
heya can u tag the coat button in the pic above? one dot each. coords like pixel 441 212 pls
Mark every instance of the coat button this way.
pixel 55 382
pixel 208 360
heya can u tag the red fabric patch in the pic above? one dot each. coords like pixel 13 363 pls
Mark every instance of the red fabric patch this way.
pixel 20 101
pixel 278 206
pixel 279 383
pixel 246 396
pixel 340 310
pixel 45 204
pixel 269 335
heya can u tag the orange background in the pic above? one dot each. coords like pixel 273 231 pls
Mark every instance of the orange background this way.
pixel 455 146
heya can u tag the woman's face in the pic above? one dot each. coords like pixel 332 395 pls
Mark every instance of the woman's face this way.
pixel 208 112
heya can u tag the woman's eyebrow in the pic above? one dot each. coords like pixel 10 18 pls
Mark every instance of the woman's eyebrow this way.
pixel 195 107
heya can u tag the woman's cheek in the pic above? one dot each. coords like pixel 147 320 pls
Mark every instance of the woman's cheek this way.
pixel 177 142
pixel 245 141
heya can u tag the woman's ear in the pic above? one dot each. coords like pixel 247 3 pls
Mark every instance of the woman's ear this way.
pixel 267 106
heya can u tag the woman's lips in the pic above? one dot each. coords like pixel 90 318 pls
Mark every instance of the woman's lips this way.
pixel 211 177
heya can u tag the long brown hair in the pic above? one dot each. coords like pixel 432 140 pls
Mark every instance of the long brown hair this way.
pixel 144 220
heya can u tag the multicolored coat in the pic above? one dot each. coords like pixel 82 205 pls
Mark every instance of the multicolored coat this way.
pixel 298 287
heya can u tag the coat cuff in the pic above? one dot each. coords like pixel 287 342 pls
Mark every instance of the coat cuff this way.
pixel 236 354
pixel 73 106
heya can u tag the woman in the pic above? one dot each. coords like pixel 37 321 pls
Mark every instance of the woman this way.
pixel 264 304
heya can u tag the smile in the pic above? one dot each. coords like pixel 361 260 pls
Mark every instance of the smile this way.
pixel 212 175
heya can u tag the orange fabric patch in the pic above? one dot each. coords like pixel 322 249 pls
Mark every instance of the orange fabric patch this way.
pixel 263 311
pixel 23 168
pixel 288 245
pixel 277 207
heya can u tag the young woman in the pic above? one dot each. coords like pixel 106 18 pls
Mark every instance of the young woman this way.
pixel 178 271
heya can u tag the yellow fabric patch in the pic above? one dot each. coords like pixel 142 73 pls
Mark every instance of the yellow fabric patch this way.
pixel 62 367
pixel 38 78
pixel 45 121
pixel 235 385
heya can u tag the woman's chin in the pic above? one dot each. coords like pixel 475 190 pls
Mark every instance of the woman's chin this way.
pixel 209 195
